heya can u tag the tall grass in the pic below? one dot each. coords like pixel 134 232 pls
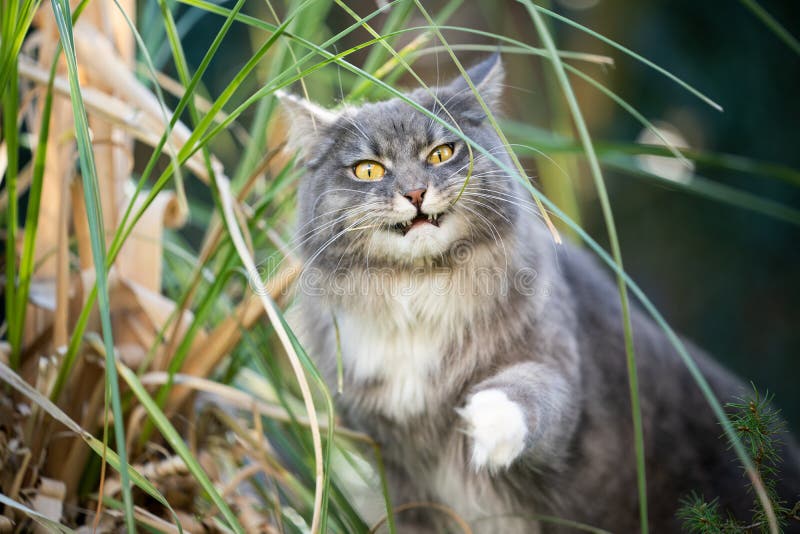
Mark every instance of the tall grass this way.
pixel 102 284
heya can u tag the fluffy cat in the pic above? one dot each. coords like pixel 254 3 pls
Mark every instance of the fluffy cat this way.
pixel 488 362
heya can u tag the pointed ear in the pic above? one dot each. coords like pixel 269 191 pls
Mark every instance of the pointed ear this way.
pixel 487 77
pixel 306 120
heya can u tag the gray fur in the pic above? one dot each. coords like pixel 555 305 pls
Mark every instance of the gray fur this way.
pixel 551 340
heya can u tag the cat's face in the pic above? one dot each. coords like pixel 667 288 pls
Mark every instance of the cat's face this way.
pixel 383 180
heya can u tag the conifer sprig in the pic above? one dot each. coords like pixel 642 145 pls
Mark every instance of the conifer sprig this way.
pixel 759 426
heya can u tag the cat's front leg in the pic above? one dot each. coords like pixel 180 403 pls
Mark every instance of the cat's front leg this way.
pixel 528 409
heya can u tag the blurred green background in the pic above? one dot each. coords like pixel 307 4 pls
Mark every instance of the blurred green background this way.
pixel 725 277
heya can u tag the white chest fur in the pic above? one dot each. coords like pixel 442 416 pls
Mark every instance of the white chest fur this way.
pixel 400 339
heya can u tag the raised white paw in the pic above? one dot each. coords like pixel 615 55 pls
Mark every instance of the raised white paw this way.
pixel 497 427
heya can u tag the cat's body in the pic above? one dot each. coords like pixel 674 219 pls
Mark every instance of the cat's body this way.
pixel 488 362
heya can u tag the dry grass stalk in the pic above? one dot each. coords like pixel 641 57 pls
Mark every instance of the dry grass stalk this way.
pixel 227 334
pixel 121 109
pixel 226 198
pixel 244 401
pixel 128 116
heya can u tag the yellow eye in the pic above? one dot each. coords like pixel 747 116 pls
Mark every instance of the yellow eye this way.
pixel 440 154
pixel 369 171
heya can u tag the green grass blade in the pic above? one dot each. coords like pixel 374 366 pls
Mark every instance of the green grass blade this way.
pixel 404 57
pixel 309 366
pixel 703 187
pixel 201 270
pixel 195 141
pixel 622 156
pixel 93 211
pixel 186 100
pixel 16 382
pixel 289 343
pixel 16 21
pixel 183 71
pixel 629 52
pixel 182 351
pixel 27 260
pixel 631 111
pixel 528 49
pixel 547 141
pixel 309 24
pixel 74 344
pixel 387 499
pixel 398 18
pixel 775 27
pixel 490 118
pixel 175 441
pixel 594 165
pixel 179 188
pixel 509 49
pixel 675 341
pixel 124 231
pixel 43 520
pixel 10 101
pixel 157 40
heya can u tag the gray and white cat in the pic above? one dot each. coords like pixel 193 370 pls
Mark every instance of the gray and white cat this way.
pixel 488 362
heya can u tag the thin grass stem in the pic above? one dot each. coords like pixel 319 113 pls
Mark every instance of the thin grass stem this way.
pixel 597 175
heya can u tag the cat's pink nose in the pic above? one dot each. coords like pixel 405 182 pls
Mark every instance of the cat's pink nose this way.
pixel 415 196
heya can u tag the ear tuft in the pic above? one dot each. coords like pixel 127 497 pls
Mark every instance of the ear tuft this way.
pixel 305 121
pixel 487 77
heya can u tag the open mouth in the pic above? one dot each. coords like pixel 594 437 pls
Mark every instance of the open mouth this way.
pixel 420 220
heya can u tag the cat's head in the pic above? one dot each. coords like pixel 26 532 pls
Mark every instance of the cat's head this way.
pixel 382 180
